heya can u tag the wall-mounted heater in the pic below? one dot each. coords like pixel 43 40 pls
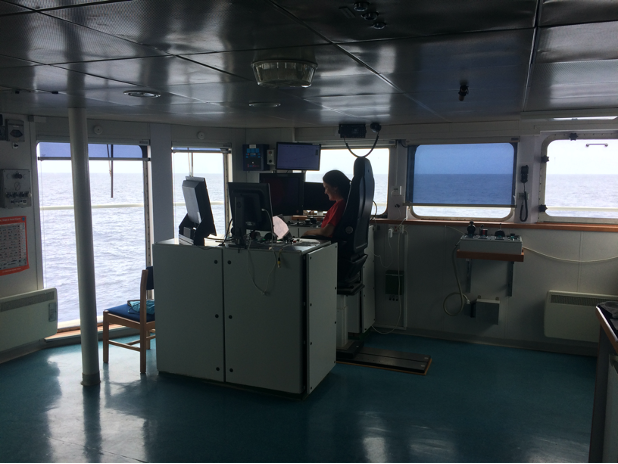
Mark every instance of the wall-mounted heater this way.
pixel 28 317
pixel 571 315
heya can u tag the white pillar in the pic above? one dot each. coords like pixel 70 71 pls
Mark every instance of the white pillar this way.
pixel 78 131
pixel 163 221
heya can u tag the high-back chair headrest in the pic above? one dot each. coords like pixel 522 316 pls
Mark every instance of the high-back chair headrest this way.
pixel 352 231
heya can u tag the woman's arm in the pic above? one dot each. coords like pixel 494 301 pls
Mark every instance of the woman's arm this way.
pixel 326 231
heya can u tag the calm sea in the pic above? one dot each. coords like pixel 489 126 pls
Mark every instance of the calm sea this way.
pixel 119 235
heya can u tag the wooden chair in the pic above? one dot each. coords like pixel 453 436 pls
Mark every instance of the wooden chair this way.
pixel 143 322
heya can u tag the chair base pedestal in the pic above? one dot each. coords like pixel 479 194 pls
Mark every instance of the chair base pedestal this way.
pixel 399 361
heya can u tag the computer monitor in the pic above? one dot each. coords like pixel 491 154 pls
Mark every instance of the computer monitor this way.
pixel 251 208
pixel 286 192
pixel 198 223
pixel 298 156
pixel 315 198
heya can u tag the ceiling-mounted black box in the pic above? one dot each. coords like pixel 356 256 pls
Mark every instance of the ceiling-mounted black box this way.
pixel 352 131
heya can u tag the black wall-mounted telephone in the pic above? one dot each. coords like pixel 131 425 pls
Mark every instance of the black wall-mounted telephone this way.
pixel 523 177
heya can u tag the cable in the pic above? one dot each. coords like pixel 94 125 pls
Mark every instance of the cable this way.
pixel 251 274
pixel 463 298
pixel 571 260
pixel 374 216
pixel 272 227
pixel 277 264
pixel 364 156
pixel 227 231
pixel 521 211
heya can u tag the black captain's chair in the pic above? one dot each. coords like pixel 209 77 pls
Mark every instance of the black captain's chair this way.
pixel 352 232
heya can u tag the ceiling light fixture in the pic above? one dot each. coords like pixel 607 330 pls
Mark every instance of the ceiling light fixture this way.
pixel 284 73
pixel 370 15
pixel 463 91
pixel 587 118
pixel 264 104
pixel 142 93
pixel 379 25
pixel 361 7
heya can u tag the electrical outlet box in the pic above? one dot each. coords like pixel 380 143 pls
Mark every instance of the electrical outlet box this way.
pixel 393 283
pixel 270 157
pixel 15 130
pixel 486 310
pixel 15 191
pixel 254 157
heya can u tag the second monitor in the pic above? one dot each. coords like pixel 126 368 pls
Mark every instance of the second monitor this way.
pixel 286 192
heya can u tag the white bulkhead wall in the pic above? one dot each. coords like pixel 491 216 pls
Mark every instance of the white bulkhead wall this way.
pixel 23 156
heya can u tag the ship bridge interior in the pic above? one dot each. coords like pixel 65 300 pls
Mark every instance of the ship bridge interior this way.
pixel 514 384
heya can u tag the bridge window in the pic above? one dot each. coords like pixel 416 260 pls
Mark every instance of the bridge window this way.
pixel 343 160
pixel 578 182
pixel 118 222
pixel 461 181
pixel 200 162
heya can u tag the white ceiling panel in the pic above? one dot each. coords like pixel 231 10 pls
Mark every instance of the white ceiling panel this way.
pixel 188 26
pixel 514 55
pixel 561 12
pixel 338 22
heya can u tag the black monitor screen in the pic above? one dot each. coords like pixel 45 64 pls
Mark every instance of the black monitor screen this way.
pixel 199 219
pixel 286 192
pixel 298 156
pixel 250 205
pixel 315 198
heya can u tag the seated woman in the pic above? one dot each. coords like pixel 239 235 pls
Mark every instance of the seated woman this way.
pixel 337 187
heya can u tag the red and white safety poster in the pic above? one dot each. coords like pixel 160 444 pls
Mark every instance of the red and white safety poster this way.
pixel 13 245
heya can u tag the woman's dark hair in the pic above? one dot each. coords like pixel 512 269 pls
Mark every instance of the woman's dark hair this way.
pixel 340 180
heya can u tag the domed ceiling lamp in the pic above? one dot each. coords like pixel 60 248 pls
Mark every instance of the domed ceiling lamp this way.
pixel 288 68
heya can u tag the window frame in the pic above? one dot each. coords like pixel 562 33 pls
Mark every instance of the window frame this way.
pixel 410 171
pixel 543 216
pixel 147 196
pixel 213 148
pixel 364 144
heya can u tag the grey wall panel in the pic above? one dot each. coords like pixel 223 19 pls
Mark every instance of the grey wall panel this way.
pixel 264 333
pixel 599 277
pixel 536 275
pixel 391 312
pixel 321 314
pixel 189 334
pixel 428 275
pixel 430 278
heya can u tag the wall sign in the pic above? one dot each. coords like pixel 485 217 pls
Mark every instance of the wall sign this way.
pixel 13 245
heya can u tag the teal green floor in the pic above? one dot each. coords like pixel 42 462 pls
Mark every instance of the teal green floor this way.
pixel 477 404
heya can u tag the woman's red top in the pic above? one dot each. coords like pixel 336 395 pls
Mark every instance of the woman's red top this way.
pixel 333 216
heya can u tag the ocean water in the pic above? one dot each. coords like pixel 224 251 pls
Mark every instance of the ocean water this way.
pixel 119 235
pixel 582 190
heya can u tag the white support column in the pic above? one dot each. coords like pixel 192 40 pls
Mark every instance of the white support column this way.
pixel 162 182
pixel 78 132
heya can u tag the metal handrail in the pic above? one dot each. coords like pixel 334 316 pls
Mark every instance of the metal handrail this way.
pixel 581 208
pixel 130 205
pixel 114 205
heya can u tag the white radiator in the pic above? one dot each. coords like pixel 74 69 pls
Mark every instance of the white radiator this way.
pixel 28 317
pixel 571 315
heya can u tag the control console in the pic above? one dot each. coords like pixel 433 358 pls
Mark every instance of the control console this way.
pixel 508 244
